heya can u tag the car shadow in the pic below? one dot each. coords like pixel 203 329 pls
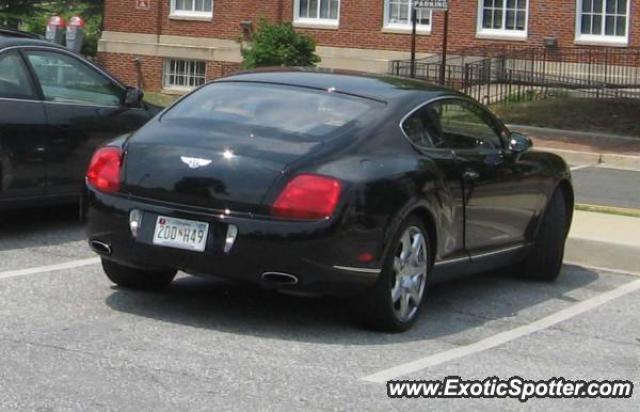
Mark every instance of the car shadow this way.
pixel 37 227
pixel 452 307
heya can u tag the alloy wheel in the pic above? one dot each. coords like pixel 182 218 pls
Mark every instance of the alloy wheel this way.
pixel 410 274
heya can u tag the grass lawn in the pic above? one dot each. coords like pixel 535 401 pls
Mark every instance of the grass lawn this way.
pixel 617 116
pixel 160 99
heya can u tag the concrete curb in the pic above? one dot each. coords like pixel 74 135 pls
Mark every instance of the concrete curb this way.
pixel 612 160
pixel 622 161
pixel 574 157
pixel 620 211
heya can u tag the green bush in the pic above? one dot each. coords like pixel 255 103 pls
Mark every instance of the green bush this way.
pixel 279 45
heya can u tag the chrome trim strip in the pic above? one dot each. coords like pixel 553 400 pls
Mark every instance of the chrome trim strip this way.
pixel 82 104
pixel 450 261
pixel 360 270
pixel 77 104
pixel 480 255
pixel 16 99
pixel 497 252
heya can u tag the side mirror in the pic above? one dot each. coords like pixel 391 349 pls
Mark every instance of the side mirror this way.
pixel 133 97
pixel 519 143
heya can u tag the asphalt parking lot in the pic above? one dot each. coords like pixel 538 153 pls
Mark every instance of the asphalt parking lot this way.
pixel 72 341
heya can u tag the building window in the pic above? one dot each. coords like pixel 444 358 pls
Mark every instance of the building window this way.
pixel 192 8
pixel 397 15
pixel 324 12
pixel 603 21
pixel 503 18
pixel 184 74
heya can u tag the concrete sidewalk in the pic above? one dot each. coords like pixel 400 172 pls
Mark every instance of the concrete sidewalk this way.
pixel 581 148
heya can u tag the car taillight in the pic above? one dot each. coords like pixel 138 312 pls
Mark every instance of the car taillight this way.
pixel 308 197
pixel 104 169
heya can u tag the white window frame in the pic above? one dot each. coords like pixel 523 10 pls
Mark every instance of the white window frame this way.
pixel 503 33
pixel 420 28
pixel 165 74
pixel 601 39
pixel 190 14
pixel 315 21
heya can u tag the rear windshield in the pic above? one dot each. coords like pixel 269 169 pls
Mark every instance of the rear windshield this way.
pixel 294 110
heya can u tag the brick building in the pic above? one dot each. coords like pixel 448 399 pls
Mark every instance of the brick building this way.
pixel 174 45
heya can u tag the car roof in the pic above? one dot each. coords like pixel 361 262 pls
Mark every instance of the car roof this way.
pixel 9 32
pixel 379 87
pixel 19 41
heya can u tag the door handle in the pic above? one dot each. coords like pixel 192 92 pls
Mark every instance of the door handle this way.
pixel 470 175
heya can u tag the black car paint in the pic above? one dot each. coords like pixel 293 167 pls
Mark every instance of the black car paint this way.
pixel 9 32
pixel 385 178
pixel 45 147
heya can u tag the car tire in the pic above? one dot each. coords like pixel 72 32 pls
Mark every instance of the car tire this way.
pixel 394 303
pixel 137 279
pixel 544 261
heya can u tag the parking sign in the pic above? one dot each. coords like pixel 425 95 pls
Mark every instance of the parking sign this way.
pixel 432 4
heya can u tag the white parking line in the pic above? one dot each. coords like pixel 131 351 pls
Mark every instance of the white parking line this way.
pixel 49 268
pixel 503 337
pixel 602 269
pixel 573 169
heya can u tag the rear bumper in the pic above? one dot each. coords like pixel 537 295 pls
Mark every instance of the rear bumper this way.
pixel 322 255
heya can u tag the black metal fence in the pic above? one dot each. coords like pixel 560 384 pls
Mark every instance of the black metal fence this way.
pixel 504 73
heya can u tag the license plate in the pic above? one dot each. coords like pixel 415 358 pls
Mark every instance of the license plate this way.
pixel 181 234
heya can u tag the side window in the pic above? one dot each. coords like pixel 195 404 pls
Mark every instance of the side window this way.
pixel 14 77
pixel 66 79
pixel 467 126
pixel 423 128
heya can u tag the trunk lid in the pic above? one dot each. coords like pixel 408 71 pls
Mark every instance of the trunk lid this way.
pixel 227 167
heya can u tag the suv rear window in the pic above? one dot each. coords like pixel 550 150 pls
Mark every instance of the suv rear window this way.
pixel 289 109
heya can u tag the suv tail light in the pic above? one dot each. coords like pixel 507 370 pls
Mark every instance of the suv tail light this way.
pixel 308 197
pixel 104 169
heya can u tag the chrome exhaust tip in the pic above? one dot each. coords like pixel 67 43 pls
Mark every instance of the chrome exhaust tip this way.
pixel 100 248
pixel 280 279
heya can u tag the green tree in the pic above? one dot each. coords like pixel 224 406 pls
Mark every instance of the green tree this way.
pixel 279 45
pixel 13 12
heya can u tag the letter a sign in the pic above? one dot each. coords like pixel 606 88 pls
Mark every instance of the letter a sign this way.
pixel 143 4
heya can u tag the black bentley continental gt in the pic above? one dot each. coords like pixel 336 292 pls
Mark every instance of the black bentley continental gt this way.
pixel 332 183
